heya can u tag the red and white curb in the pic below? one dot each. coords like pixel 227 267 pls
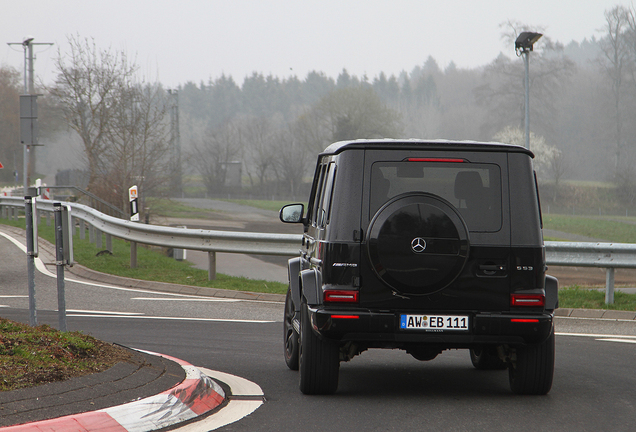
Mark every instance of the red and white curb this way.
pixel 196 395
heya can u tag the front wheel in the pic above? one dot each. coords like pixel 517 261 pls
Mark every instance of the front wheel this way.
pixel 290 335
pixel 532 368
pixel 319 360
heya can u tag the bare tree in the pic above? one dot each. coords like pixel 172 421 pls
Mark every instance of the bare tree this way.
pixel 214 151
pixel 260 136
pixel 121 122
pixel 351 113
pixel 86 90
pixel 137 143
pixel 292 159
pixel 10 147
pixel 615 62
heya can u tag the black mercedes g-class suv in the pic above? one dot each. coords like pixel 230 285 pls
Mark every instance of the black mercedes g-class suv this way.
pixel 422 246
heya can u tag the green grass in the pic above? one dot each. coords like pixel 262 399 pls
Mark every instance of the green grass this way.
pixel 579 298
pixel 262 204
pixel 152 265
pixel 31 356
pixel 612 230
pixel 169 208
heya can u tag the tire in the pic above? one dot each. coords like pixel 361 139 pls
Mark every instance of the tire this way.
pixel 532 371
pixel 319 360
pixel 486 358
pixel 290 335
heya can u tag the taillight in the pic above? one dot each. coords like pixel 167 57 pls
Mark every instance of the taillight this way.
pixel 524 320
pixel 527 300
pixel 341 296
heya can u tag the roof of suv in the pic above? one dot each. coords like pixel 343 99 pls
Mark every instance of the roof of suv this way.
pixel 417 144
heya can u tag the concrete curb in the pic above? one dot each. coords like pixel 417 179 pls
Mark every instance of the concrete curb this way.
pixel 595 314
pixel 196 395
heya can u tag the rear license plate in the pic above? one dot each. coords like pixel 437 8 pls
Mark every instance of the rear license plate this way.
pixel 434 322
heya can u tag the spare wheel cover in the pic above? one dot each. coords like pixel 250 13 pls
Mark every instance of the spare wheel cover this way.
pixel 417 243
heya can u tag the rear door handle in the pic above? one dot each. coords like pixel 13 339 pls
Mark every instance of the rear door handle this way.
pixel 492 267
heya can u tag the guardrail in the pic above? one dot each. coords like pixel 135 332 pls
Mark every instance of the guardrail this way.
pixel 577 254
pixel 609 256
pixel 193 239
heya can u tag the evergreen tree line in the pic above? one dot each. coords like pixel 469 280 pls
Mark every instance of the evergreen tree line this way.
pixel 261 136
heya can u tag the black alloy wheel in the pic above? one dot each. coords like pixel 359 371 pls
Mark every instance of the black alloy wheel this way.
pixel 291 337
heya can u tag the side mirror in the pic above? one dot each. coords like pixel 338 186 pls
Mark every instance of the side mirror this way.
pixel 292 213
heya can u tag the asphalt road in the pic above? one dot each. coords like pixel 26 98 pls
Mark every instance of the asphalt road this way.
pixel 594 387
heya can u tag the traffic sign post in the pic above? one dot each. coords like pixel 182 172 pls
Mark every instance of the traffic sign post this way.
pixel 133 197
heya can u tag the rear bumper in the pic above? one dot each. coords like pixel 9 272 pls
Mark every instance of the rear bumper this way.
pixel 382 329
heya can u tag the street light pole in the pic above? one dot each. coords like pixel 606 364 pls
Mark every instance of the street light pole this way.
pixel 523 45
pixel 526 60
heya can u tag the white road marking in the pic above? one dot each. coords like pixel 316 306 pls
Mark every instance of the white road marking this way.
pixel 632 341
pixel 14 296
pixel 594 319
pixel 172 318
pixel 594 335
pixel 80 311
pixel 198 299
pixel 39 265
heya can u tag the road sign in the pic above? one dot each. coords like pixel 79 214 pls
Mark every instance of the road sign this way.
pixel 1 166
pixel 134 203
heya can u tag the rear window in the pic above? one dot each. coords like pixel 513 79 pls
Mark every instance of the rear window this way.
pixel 474 189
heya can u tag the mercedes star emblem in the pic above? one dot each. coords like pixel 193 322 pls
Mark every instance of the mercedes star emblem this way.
pixel 418 245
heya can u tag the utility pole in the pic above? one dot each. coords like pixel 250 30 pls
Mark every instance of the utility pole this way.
pixel 175 143
pixel 28 109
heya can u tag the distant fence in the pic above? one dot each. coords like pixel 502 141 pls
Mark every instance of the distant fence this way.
pixel 609 256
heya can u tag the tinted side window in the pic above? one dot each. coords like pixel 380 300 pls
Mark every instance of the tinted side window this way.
pixel 314 211
pixel 325 202
pixel 474 189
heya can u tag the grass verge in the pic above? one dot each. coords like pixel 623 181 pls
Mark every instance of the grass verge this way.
pixel 575 297
pixel 152 265
pixel 31 356
pixel 621 230
pixel 171 208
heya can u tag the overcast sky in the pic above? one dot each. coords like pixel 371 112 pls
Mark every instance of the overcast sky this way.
pixel 175 41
